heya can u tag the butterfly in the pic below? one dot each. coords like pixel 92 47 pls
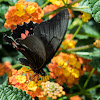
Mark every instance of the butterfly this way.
pixel 39 42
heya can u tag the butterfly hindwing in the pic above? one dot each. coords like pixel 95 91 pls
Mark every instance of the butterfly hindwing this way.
pixel 37 49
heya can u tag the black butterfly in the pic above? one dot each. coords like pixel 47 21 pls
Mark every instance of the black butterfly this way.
pixel 39 42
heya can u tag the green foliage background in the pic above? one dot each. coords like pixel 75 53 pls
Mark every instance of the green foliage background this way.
pixel 88 33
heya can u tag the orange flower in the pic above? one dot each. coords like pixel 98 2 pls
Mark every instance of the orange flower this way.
pixel 5 68
pixel 55 5
pixel 23 12
pixel 28 81
pixel 50 8
pixel 65 68
pixel 75 98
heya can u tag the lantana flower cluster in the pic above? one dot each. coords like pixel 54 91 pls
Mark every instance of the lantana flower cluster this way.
pixel 65 68
pixel 23 12
pixel 86 17
pixel 28 81
pixel 52 89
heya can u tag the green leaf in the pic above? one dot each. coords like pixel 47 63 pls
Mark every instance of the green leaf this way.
pixel 80 36
pixel 4 0
pixel 90 31
pixel 86 29
pixel 2 28
pixel 7 59
pixel 84 7
pixel 95 63
pixel 48 98
pixel 12 2
pixel 3 10
pixel 40 2
pixel 4 79
pixel 95 7
pixel 7 92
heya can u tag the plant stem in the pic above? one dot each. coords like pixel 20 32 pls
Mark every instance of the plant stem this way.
pixel 78 93
pixel 97 86
pixel 85 84
pixel 16 66
pixel 75 33
pixel 54 11
pixel 64 2
pixel 84 91
pixel 45 4
pixel 80 48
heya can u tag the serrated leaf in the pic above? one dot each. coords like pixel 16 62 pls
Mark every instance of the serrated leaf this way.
pixel 8 92
pixel 95 8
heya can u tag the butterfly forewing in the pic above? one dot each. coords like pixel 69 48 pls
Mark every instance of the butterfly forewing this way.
pixel 52 32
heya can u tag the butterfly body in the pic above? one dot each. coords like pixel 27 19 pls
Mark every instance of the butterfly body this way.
pixel 39 42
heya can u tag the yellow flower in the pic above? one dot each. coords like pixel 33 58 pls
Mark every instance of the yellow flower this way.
pixel 20 10
pixel 32 86
pixel 20 13
pixel 64 65
pixel 58 2
pixel 75 72
pixel 77 64
pixel 72 60
pixel 86 17
pixel 97 44
pixel 30 9
pixel 21 78
pixel 67 71
pixel 19 6
pixel 60 61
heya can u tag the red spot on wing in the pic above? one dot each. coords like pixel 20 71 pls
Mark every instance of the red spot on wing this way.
pixel 23 36
pixel 26 32
pixel 31 28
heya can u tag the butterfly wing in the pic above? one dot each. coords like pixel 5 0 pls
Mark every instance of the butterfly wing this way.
pixel 22 28
pixel 32 48
pixel 52 32
pixel 37 54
